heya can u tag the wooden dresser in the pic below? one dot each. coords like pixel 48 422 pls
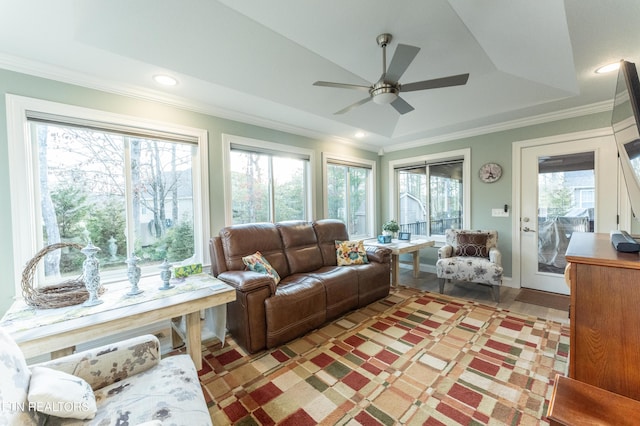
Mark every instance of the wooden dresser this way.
pixel 605 315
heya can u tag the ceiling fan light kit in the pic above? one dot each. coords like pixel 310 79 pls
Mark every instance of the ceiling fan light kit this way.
pixel 384 94
pixel 388 88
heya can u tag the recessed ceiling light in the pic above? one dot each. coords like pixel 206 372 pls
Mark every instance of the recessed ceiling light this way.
pixel 359 135
pixel 608 68
pixel 165 80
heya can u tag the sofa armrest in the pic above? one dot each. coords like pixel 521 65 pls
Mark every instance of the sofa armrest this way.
pixel 445 251
pixel 495 256
pixel 378 254
pixel 111 363
pixel 247 281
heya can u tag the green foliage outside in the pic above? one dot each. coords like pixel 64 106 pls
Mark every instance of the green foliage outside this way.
pixel 251 189
pixel 104 220
pixel 554 195
pixel 107 220
pixel 346 195
pixel 71 209
pixel 180 241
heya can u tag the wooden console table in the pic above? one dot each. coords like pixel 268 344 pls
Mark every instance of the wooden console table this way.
pixel 397 248
pixel 57 331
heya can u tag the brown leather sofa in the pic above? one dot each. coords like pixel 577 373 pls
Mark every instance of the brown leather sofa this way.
pixel 313 289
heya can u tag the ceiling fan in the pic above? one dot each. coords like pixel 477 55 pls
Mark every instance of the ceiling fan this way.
pixel 386 90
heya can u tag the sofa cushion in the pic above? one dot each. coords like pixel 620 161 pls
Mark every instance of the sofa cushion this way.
pixel 257 263
pixel 472 244
pixel 243 240
pixel 327 232
pixel 341 287
pixel 351 253
pixel 300 246
pixel 61 394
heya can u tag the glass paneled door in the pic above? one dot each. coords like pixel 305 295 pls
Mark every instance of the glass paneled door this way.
pixel 563 191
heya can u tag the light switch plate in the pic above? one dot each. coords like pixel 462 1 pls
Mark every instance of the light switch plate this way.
pixel 499 213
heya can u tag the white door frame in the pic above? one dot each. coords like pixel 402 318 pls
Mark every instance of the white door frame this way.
pixel 516 195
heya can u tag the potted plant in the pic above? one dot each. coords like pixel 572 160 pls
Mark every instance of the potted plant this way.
pixel 390 227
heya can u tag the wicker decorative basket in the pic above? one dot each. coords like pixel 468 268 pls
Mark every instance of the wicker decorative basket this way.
pixel 66 293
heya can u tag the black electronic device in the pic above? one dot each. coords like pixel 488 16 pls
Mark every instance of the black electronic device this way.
pixel 624 242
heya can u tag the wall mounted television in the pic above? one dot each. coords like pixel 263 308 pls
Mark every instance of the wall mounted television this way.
pixel 625 122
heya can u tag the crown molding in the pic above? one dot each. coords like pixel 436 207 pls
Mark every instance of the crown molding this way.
pixel 580 111
pixel 64 75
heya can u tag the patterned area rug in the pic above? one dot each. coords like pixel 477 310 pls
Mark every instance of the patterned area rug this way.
pixel 412 358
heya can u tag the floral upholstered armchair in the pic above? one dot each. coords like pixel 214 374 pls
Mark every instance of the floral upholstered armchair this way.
pixel 124 383
pixel 470 256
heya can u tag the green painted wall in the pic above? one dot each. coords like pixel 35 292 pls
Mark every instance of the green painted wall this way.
pixel 493 147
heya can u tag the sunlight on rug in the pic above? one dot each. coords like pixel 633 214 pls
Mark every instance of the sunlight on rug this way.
pixel 412 358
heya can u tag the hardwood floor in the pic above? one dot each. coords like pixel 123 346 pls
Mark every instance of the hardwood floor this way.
pixel 482 294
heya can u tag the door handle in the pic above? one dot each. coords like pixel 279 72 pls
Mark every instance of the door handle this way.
pixel 527 229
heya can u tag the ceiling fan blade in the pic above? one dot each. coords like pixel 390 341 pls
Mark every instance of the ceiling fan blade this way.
pixel 342 85
pixel 350 107
pixel 401 105
pixel 452 80
pixel 402 58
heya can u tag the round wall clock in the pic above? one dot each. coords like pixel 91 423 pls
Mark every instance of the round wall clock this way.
pixel 490 172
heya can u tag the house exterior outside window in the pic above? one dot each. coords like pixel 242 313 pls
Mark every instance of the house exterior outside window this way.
pixel 431 193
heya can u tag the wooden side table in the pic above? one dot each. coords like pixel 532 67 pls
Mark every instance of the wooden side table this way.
pixel 397 248
pixel 577 403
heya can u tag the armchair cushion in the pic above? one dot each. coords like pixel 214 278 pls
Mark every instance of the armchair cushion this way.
pixel 14 383
pixel 132 385
pixel 473 269
pixel 60 394
pixel 472 244
pixel 111 363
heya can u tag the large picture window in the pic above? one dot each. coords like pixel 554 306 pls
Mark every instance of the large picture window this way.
pixel 431 193
pixel 267 182
pixel 349 196
pixel 95 178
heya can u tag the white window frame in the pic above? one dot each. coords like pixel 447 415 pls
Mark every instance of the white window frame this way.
pixel 23 173
pixel 249 143
pixel 355 162
pixel 461 154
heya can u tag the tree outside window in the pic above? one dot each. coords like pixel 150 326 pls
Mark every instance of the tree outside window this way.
pixel 347 197
pixel 267 187
pixel 126 194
